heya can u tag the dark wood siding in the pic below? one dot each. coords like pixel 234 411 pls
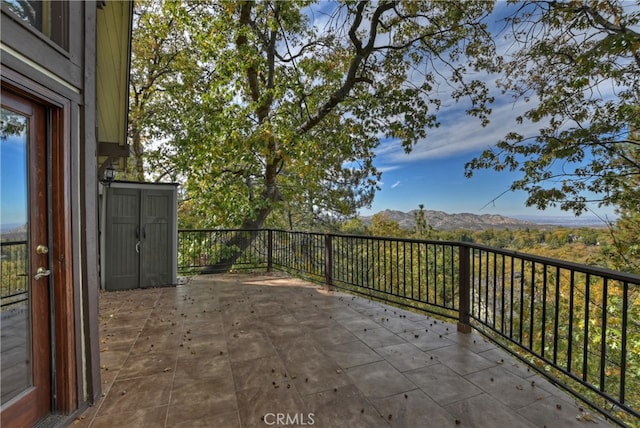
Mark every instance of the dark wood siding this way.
pixel 65 80
pixel 34 46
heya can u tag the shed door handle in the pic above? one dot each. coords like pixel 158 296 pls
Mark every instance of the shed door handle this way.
pixel 138 246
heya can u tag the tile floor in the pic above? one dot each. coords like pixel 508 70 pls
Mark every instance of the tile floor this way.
pixel 241 350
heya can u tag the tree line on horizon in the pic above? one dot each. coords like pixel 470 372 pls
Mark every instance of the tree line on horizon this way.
pixel 594 246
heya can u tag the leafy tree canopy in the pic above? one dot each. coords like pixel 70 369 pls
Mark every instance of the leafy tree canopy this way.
pixel 625 251
pixel 579 64
pixel 292 97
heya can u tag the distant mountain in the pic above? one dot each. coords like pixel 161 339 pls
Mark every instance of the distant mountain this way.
pixel 443 221
pixel 14 232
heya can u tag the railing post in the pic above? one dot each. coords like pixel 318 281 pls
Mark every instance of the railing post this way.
pixel 328 262
pixel 464 291
pixel 269 250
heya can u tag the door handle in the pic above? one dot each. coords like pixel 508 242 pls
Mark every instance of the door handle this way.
pixel 138 246
pixel 41 273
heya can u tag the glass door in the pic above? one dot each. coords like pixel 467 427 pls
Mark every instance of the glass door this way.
pixel 25 378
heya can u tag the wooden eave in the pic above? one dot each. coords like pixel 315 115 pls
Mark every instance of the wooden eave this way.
pixel 113 60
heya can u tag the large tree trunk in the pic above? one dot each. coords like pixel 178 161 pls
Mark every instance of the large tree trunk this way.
pixel 239 242
pixel 242 240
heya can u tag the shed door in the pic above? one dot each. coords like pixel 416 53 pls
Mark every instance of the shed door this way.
pixel 123 232
pixel 155 254
pixel 138 238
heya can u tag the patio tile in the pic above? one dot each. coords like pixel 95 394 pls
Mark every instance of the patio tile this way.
pixel 556 412
pixel 194 368
pixel 413 409
pixel 148 417
pixel 113 358
pixel 260 372
pixel 344 314
pixel 350 354
pixel 508 388
pixel 202 344
pixel 122 337
pixel 156 343
pixel 201 399
pixel 378 337
pixel 333 334
pixel 130 395
pixel 266 308
pixel 148 364
pixel 298 348
pixel 442 384
pixel 405 356
pixel 484 411
pixel 399 325
pixel 129 319
pixel 249 345
pixel 282 326
pixel 426 340
pixel 316 376
pixel 508 362
pixel 199 416
pixel 206 323
pixel 457 358
pixel 379 379
pixel 358 323
pixel 474 341
pixel 163 322
pixel 310 369
pixel 309 317
pixel 343 407
pixel 243 350
pixel 255 404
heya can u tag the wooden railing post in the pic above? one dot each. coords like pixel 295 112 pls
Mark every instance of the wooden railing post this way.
pixel 269 250
pixel 464 291
pixel 328 262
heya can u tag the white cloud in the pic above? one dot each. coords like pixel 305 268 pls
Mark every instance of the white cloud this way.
pixel 459 134
pixel 396 184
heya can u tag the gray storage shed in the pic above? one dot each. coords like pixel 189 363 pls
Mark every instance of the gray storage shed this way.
pixel 139 235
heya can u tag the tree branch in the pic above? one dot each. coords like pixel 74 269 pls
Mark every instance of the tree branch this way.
pixel 351 79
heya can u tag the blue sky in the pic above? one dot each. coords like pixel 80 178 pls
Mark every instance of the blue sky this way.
pixel 13 181
pixel 433 173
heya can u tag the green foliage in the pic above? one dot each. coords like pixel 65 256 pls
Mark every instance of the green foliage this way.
pixel 625 250
pixel 270 112
pixel 381 225
pixel 591 246
pixel 422 230
pixel 578 63
pixel 12 124
pixel 353 226
pixel 163 78
pixel 14 273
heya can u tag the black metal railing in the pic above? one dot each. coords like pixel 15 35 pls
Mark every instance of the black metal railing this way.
pixel 578 325
pixel 199 249
pixel 13 273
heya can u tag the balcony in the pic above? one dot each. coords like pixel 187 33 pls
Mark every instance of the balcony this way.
pixel 251 350
pixel 215 346
pixel 361 340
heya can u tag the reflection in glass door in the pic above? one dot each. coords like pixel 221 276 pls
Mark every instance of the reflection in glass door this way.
pixel 25 378
pixel 14 257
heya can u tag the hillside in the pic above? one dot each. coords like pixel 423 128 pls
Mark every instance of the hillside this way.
pixel 14 233
pixel 440 220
